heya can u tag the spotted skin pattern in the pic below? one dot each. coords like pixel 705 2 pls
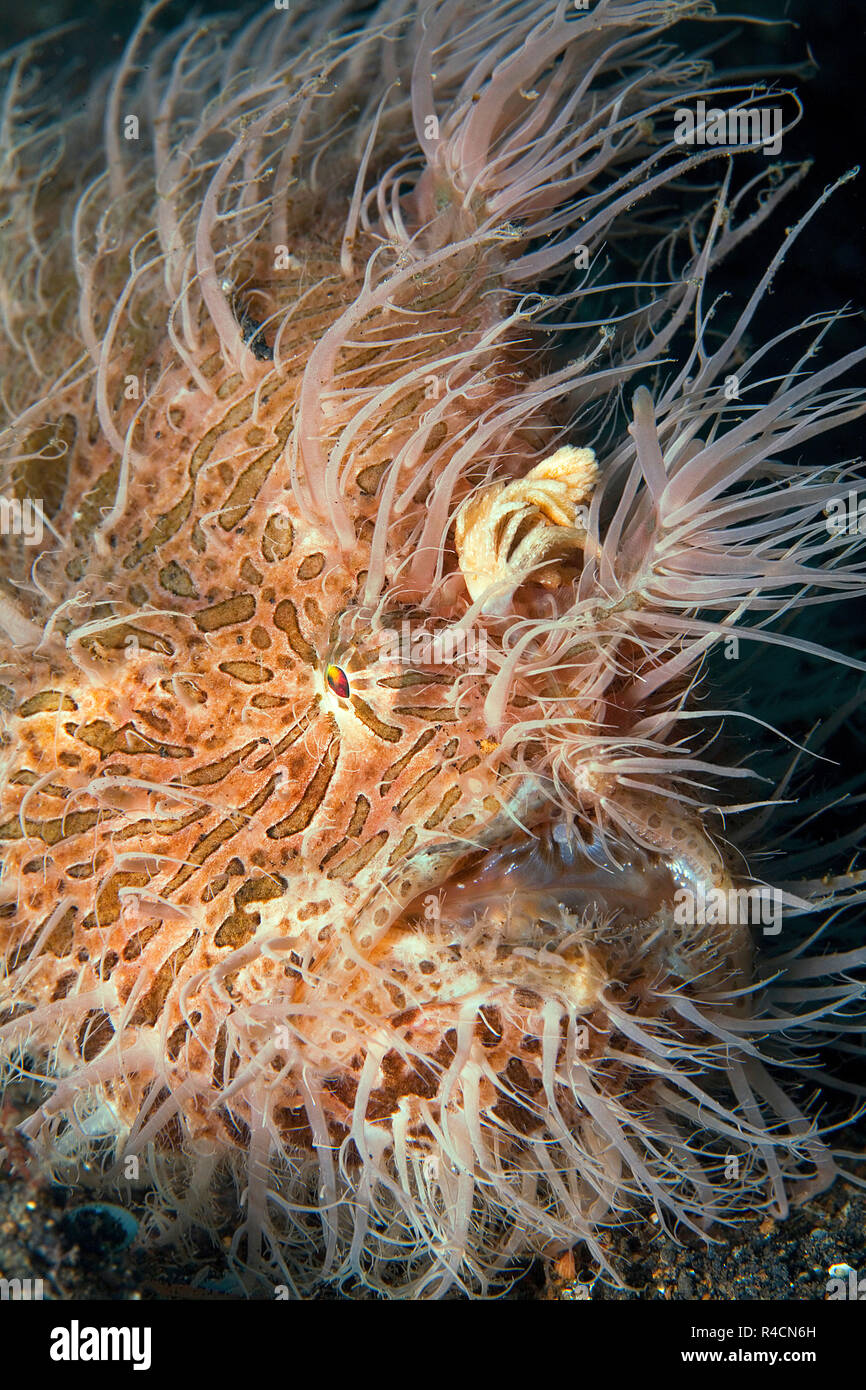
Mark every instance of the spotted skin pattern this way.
pixel 195 819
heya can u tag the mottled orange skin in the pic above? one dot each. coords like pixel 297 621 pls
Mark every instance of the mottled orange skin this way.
pixel 204 745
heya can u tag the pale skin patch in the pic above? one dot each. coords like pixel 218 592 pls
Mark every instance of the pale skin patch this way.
pixel 512 530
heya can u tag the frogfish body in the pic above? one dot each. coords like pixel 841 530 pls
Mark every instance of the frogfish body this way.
pixel 342 768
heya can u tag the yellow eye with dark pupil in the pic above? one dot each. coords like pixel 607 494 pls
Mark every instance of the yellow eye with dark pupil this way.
pixel 337 681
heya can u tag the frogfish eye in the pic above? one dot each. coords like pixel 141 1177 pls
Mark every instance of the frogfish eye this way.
pixel 337 681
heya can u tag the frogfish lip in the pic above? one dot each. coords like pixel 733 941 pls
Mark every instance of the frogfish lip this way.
pixel 555 890
pixel 531 883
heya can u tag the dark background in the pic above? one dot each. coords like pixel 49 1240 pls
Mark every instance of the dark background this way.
pixel 826 268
